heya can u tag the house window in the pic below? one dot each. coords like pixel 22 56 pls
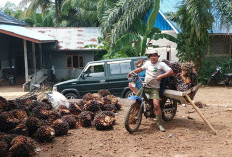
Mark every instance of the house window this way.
pixel 75 61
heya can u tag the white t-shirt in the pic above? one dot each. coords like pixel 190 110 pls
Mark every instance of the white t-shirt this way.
pixel 152 71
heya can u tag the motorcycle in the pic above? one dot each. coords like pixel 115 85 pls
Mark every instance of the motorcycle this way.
pixel 9 73
pixel 217 76
pixel 144 105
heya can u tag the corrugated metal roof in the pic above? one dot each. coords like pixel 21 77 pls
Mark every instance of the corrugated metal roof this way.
pixel 72 38
pixel 25 33
pixel 6 19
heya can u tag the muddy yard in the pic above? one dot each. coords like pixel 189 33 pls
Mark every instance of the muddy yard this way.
pixel 186 135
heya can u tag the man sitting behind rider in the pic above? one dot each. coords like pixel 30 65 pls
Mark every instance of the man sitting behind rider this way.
pixel 154 74
pixel 135 86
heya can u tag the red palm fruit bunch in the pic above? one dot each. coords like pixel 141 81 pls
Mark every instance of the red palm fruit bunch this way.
pixel 61 127
pixel 104 120
pixel 85 118
pixel 45 134
pixel 22 146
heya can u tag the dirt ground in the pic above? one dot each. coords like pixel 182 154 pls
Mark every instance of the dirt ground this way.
pixel 187 135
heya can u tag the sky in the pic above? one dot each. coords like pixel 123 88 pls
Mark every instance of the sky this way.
pixel 3 2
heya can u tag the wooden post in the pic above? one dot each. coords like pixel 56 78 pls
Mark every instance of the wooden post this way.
pixel 41 56
pixel 34 57
pixel 198 111
pixel 25 60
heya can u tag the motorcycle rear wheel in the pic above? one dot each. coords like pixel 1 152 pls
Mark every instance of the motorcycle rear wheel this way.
pixel 133 117
pixel 169 108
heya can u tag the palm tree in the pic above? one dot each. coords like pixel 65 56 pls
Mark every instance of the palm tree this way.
pixel 44 5
pixel 80 13
pixel 135 41
pixel 223 11
pixel 118 19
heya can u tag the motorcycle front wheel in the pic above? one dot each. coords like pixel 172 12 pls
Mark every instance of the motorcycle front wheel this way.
pixel 169 108
pixel 133 117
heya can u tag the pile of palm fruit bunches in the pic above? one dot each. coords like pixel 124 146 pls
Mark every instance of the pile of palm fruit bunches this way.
pixel 184 78
pixel 24 120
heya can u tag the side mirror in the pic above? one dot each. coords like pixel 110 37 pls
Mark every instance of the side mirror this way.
pixel 83 76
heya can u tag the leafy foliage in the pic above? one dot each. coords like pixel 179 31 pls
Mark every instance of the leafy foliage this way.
pixel 223 11
pixel 209 66
pixel 195 20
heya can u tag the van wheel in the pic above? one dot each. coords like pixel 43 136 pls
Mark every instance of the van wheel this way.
pixel 71 96
pixel 129 93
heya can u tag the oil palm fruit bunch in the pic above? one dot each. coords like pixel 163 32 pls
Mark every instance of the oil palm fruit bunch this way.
pixel 53 115
pixel 104 92
pixel 46 101
pixel 171 82
pixel 3 104
pixel 109 107
pixel 20 129
pixel 45 134
pixel 22 146
pixel 91 105
pixel 104 120
pixel 188 68
pixel 12 104
pixel 19 114
pixel 41 112
pixel 85 118
pixel 87 97
pixel 7 137
pixel 97 96
pixel 3 148
pixel 33 124
pixel 176 67
pixel 76 108
pixel 61 127
pixel 71 120
pixel 7 121
pixel 63 110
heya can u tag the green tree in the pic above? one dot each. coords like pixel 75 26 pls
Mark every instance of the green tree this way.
pixel 45 6
pixel 119 18
pixel 135 41
pixel 222 9
pixel 195 20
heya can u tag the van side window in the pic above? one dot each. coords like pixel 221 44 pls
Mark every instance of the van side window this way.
pixel 120 68
pixel 95 71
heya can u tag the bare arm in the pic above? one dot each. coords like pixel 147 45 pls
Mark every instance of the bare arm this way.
pixel 138 70
pixel 166 74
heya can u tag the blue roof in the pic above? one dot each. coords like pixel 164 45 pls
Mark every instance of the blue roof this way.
pixel 6 19
pixel 162 22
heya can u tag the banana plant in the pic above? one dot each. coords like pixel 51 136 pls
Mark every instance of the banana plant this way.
pixel 136 40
